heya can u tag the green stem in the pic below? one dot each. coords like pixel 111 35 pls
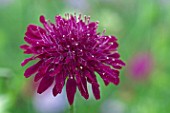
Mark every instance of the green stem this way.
pixel 72 108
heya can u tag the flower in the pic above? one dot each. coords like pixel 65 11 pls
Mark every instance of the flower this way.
pixel 71 51
pixel 140 66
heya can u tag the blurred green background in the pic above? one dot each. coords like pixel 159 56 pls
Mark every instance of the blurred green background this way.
pixel 143 31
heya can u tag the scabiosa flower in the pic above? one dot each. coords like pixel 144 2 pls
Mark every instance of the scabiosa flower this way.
pixel 71 51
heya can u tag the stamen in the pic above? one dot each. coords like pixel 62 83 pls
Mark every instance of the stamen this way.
pixel 81 67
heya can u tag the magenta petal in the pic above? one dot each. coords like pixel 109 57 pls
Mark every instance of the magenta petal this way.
pixel 28 51
pixel 24 47
pixel 57 70
pixel 42 19
pixel 58 19
pixel 116 81
pixel 104 77
pixel 31 70
pixel 89 76
pixel 60 81
pixel 120 62
pixel 45 66
pixel 82 86
pixel 117 66
pixel 109 75
pixel 96 91
pixel 78 77
pixel 46 24
pixel 55 91
pixel 34 32
pixel 37 77
pixel 71 90
pixel 115 45
pixel 114 55
pixel 45 83
pixel 32 41
pixel 106 82
pixel 26 61
pixel 95 86
pixel 112 38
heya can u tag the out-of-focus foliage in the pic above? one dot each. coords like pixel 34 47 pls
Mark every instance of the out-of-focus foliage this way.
pixel 142 27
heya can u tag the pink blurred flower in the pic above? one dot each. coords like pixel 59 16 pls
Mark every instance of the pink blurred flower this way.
pixel 140 66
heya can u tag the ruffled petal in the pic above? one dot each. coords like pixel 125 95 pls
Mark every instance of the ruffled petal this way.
pixel 38 76
pixel 82 86
pixel 34 32
pixel 96 91
pixel 57 70
pixel 26 61
pixel 24 47
pixel 31 70
pixel 45 83
pixel 55 91
pixel 59 82
pixel 71 90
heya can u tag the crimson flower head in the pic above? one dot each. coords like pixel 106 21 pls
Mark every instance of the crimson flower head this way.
pixel 71 51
